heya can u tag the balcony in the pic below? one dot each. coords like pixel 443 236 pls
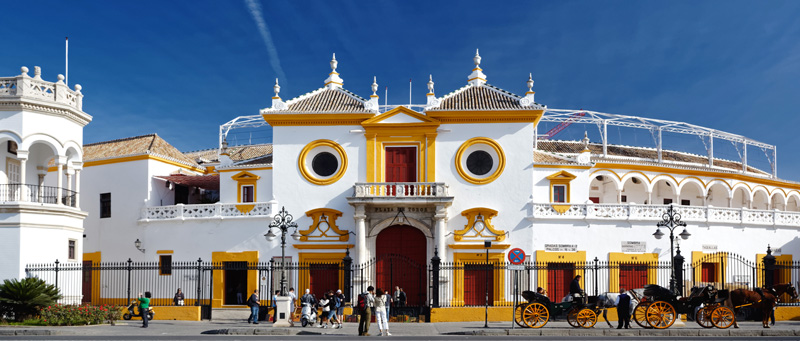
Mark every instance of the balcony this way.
pixel 696 214
pixel 37 194
pixel 400 192
pixel 218 210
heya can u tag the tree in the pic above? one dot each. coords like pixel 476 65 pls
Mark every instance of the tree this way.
pixel 22 299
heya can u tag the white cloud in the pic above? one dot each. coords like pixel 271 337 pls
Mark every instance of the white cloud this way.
pixel 263 29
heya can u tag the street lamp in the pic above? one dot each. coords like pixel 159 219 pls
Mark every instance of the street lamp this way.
pixel 671 220
pixel 282 222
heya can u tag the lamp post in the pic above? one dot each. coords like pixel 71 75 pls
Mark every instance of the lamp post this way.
pixel 671 220
pixel 282 222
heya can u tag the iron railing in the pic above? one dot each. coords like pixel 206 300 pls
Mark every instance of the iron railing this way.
pixel 37 194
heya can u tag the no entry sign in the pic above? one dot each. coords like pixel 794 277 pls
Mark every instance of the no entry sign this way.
pixel 516 256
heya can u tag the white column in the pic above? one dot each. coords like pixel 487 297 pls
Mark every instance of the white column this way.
pixel 650 198
pixel 60 177
pixel 605 138
pixel 68 174
pixel 361 234
pixel 441 229
pixel 40 190
pixel 23 188
pixel 77 188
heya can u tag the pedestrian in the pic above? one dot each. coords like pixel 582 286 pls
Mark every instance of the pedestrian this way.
pixel 293 296
pixel 380 312
pixel 275 306
pixel 239 298
pixel 326 309
pixel 253 303
pixel 623 303
pixel 333 303
pixel 403 298
pixel 397 296
pixel 389 302
pixel 340 309
pixel 365 303
pixel 179 297
pixel 144 307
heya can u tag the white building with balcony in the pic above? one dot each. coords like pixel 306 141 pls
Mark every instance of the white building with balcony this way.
pixel 41 134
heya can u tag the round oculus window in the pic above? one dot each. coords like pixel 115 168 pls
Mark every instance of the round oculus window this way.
pixel 324 164
pixel 479 162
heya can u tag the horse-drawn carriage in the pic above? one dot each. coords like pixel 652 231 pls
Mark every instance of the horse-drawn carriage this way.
pixel 659 308
pixel 539 309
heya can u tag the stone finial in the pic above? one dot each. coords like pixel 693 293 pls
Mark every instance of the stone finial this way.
pixel 374 86
pixel 277 89
pixel 430 84
pixel 433 102
pixel 372 104
pixel 477 77
pixel 334 81
pixel 37 72
pixel 277 102
pixel 78 88
pixel 530 82
pixel 60 79
pixel 585 140
pixel 24 71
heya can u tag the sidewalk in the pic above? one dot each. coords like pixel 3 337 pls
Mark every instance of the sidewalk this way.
pixel 559 328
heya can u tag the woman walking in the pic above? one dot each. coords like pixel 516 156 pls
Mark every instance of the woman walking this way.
pixel 324 302
pixel 380 312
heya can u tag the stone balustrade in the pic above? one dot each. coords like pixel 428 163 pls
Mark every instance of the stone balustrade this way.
pixel 35 88
pixel 207 211
pixel 400 189
pixel 695 214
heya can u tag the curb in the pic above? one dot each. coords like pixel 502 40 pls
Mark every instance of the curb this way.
pixel 258 331
pixel 629 332
pixel 30 332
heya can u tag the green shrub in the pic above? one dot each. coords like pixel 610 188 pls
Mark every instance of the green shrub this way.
pixel 75 315
pixel 22 299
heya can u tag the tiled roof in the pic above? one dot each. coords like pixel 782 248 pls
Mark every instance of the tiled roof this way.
pixel 236 153
pixel 325 100
pixel 574 147
pixel 481 97
pixel 544 157
pixel 138 145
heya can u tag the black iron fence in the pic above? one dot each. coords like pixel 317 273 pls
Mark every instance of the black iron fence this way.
pixel 437 284
pixel 36 193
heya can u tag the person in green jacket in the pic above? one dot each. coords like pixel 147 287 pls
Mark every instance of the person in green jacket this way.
pixel 144 306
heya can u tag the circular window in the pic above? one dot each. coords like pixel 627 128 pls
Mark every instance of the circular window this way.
pixel 324 164
pixel 480 160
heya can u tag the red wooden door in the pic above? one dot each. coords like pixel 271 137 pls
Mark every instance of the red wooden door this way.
pixel 401 252
pixel 86 288
pixel 475 284
pixel 323 278
pixel 708 272
pixel 401 164
pixel 632 276
pixel 559 276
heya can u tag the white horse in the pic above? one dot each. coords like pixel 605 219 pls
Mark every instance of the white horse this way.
pixel 608 300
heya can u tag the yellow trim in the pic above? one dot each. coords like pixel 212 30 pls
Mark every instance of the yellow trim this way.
pixel 95 258
pixel 561 178
pixel 380 135
pixel 331 215
pixel 785 275
pixel 164 252
pixel 560 208
pixel 307 258
pixel 501 163
pixel 713 258
pixel 159 264
pixel 462 258
pixel 251 257
pixel 137 158
pixel 486 116
pixel 323 246
pixel 245 178
pixel 246 208
pixel 308 175
pixel 343 119
pixel 477 246
pixel 472 215
pixel 243 168
pixel 561 166
pixel 619 258
pixel 545 257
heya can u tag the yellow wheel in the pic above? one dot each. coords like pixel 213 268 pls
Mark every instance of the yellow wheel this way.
pixel 722 317
pixel 535 315
pixel 586 318
pixel 572 318
pixel 640 314
pixel 703 316
pixel 518 315
pixel 660 315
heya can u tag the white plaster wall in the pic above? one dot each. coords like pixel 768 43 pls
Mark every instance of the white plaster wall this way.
pixel 58 127
pixel 228 188
pixel 9 250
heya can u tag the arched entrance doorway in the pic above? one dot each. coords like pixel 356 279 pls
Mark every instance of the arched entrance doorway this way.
pixel 400 256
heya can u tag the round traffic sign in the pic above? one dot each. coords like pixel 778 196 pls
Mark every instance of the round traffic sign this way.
pixel 516 256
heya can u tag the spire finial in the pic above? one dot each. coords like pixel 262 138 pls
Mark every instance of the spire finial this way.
pixel 477 59
pixel 430 84
pixel 277 88
pixel 374 86
pixel 334 63
pixel 477 77
pixel 530 82
pixel 334 81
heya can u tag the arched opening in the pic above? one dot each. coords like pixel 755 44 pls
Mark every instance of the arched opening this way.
pixel 691 194
pixel 400 253
pixel 741 198
pixel 760 200
pixel 603 190
pixel 634 190
pixel 664 192
pixel 778 201
pixel 718 195
pixel 792 204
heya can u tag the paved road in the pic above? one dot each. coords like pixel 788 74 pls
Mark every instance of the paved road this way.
pixel 235 330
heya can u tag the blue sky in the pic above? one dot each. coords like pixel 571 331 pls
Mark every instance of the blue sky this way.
pixel 181 68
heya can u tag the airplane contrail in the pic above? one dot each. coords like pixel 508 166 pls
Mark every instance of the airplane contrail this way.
pixel 258 16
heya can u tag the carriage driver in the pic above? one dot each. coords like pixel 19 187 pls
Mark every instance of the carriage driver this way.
pixel 575 289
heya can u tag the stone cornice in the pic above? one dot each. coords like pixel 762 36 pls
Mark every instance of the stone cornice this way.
pixel 47 108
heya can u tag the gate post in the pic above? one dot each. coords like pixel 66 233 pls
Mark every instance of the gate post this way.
pixel 435 267
pixel 129 279
pixel 347 262
pixel 271 278
pixel 677 262
pixel 769 269
pixel 197 301
pixel 57 273
pixel 596 268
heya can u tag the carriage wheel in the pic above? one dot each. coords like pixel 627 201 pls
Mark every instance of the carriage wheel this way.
pixel 586 318
pixel 640 314
pixel 518 315
pixel 722 317
pixel 703 317
pixel 535 315
pixel 660 315
pixel 572 318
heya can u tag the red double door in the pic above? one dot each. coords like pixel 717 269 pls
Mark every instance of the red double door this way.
pixel 401 164
pixel 400 255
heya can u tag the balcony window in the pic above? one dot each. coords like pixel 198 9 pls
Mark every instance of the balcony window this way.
pixel 71 249
pixel 248 193
pixel 686 202
pixel 559 193
pixel 105 205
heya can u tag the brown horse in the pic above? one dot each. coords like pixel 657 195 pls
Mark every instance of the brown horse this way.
pixel 740 297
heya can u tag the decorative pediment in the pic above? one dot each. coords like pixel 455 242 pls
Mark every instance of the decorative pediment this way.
pixel 561 175
pixel 401 116
pixel 479 226
pixel 323 227
pixel 245 176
